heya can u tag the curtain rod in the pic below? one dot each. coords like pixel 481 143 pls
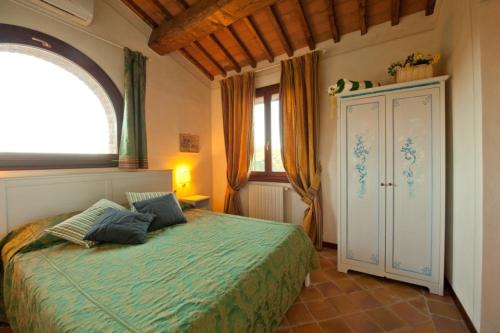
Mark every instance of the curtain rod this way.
pixel 323 51
pixel 267 68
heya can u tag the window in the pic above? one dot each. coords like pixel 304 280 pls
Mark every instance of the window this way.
pixel 58 109
pixel 267 164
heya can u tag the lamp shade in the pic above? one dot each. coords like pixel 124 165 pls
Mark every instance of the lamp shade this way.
pixel 183 176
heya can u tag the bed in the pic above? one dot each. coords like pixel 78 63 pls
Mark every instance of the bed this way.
pixel 217 273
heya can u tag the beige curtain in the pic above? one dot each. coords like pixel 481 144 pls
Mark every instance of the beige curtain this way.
pixel 300 136
pixel 238 93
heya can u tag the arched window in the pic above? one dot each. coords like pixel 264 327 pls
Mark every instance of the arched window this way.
pixel 58 108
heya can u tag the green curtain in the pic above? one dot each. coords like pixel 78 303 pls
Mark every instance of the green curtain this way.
pixel 133 152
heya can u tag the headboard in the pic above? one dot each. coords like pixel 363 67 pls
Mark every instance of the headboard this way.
pixel 25 199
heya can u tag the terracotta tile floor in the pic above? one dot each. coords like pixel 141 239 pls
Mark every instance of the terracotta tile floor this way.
pixel 359 303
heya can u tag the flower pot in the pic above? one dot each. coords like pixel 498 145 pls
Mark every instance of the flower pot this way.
pixel 413 73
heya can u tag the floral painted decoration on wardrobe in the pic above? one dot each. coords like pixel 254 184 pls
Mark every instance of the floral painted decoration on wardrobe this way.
pixel 410 155
pixel 361 152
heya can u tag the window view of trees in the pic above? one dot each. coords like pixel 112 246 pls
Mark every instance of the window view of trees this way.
pixel 259 136
pixel 267 164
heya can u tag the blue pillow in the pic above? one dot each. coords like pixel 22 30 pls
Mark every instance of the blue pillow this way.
pixel 120 226
pixel 166 208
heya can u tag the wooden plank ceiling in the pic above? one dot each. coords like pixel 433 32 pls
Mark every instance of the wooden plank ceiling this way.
pixel 219 36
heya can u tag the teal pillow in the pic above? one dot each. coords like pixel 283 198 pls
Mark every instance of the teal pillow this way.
pixel 166 208
pixel 119 226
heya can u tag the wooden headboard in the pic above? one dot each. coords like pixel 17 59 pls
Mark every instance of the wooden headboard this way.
pixel 25 199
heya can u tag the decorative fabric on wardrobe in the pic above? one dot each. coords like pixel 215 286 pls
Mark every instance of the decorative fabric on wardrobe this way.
pixel 238 93
pixel 133 144
pixel 300 136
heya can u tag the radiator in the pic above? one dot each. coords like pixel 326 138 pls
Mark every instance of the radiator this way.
pixel 266 202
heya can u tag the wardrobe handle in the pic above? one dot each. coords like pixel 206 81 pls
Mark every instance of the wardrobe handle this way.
pixel 382 184
pixel 389 184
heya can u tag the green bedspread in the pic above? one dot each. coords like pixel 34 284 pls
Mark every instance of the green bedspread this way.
pixel 217 273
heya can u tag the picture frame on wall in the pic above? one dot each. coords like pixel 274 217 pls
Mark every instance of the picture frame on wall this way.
pixel 189 143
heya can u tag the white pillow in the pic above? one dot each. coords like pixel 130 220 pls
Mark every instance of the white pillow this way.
pixel 75 228
pixel 141 196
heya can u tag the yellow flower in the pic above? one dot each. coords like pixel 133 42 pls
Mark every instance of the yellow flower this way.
pixel 419 56
pixel 436 58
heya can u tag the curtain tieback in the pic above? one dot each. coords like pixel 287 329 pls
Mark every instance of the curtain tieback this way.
pixel 313 190
pixel 231 190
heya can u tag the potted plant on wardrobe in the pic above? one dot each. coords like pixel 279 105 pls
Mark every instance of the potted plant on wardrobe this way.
pixel 417 66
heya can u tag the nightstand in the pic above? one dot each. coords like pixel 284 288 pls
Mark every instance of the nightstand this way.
pixel 198 201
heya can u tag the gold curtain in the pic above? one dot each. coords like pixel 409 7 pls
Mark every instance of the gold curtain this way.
pixel 300 136
pixel 238 93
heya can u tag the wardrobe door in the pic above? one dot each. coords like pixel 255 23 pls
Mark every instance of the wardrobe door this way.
pixel 362 158
pixel 413 172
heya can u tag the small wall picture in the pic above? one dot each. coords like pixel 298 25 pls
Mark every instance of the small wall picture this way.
pixel 189 143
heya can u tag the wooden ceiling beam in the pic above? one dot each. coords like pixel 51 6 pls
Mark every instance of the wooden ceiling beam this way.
pixel 163 10
pixel 226 53
pixel 200 20
pixel 209 57
pixel 183 4
pixel 362 16
pixel 258 36
pixel 333 21
pixel 429 8
pixel 242 46
pixel 395 13
pixel 275 22
pixel 141 13
pixel 195 62
pixel 305 25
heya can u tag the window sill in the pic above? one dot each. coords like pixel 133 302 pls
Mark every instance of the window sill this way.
pixel 276 178
pixel 64 172
pixel 46 161
pixel 286 186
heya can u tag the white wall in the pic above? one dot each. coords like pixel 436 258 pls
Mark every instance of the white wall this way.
pixel 219 178
pixel 489 28
pixel 177 100
pixel 458 40
pixel 355 58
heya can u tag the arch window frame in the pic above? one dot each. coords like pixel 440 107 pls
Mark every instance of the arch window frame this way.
pixel 12 34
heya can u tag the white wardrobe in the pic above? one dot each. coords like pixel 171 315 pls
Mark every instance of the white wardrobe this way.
pixel 391 182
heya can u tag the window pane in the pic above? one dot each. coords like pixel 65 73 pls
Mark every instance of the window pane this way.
pixel 277 163
pixel 259 136
pixel 51 105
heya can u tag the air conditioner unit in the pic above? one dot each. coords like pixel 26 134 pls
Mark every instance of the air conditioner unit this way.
pixel 78 11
